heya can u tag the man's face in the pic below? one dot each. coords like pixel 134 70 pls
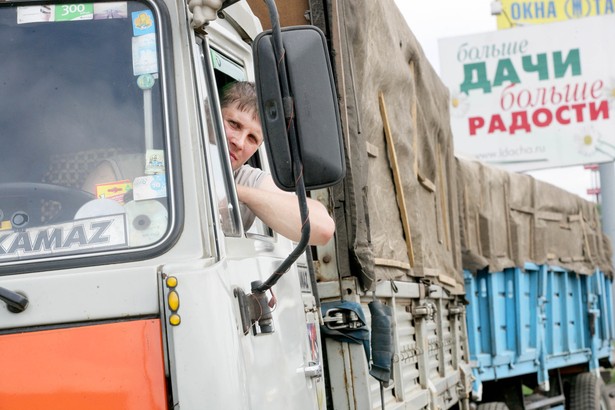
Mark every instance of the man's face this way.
pixel 243 133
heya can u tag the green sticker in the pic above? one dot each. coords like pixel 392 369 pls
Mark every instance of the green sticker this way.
pixel 69 12
pixel 145 81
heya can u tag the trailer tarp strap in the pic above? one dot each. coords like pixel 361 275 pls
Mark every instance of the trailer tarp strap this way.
pixel 345 322
pixel 382 341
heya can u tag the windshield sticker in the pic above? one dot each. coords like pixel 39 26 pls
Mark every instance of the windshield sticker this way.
pixel 57 12
pixel 108 232
pixel 150 187
pixel 154 161
pixel 146 81
pixel 114 190
pixel 147 221
pixel 74 12
pixel 105 11
pixel 144 57
pixel 142 22
pixel 35 14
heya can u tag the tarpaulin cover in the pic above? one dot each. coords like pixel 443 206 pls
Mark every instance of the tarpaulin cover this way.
pixel 405 210
pixel 387 85
pixel 508 219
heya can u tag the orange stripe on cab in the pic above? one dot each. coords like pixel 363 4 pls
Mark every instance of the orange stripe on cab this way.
pixel 112 366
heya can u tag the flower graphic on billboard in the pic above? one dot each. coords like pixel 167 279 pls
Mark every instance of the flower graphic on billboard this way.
pixel 459 104
pixel 590 141
pixel 610 94
pixel 587 141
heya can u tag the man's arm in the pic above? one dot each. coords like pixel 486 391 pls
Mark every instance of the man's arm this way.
pixel 280 211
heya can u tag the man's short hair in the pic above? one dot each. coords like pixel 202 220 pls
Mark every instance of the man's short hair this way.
pixel 242 93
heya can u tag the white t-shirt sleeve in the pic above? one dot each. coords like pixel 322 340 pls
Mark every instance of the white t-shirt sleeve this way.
pixel 250 177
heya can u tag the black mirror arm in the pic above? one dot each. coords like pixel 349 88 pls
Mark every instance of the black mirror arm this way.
pixel 279 52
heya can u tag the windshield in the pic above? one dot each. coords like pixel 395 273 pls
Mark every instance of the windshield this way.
pixel 83 158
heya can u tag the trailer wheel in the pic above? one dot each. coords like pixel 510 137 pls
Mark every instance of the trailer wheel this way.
pixel 588 393
pixel 496 405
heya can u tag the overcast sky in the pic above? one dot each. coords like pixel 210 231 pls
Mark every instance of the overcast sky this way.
pixel 433 20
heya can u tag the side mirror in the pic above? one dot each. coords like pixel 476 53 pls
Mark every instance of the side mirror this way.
pixel 314 106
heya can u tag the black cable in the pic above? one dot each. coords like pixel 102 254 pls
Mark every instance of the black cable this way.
pixel 287 101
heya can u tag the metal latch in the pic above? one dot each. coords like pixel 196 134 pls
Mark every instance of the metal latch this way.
pixel 456 310
pixel 427 310
pixel 313 370
pixel 342 319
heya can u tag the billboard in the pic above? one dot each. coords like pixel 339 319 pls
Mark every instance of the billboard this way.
pixel 534 97
pixel 516 13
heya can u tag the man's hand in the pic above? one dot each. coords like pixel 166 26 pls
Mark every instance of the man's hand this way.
pixel 280 211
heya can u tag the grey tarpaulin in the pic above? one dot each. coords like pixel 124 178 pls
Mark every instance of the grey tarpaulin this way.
pixel 481 216
pixel 379 64
pixel 508 219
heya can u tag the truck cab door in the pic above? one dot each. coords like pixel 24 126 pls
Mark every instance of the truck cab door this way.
pixel 213 362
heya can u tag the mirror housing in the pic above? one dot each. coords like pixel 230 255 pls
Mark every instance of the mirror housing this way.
pixel 314 107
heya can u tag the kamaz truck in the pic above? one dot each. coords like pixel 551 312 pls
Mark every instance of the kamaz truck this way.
pixel 127 278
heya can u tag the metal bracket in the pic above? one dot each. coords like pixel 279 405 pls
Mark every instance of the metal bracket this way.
pixel 456 310
pixel 341 319
pixel 254 310
pixel 428 310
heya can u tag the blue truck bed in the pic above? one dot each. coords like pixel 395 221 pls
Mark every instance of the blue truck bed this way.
pixel 536 319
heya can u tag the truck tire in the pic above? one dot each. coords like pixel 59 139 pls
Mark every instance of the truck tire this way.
pixel 588 393
pixel 496 405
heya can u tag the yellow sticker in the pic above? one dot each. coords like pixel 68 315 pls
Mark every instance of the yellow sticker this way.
pixel 114 190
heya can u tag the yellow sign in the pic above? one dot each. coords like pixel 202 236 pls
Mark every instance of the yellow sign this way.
pixel 529 12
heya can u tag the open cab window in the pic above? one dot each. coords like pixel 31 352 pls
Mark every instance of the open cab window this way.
pixel 84 159
pixel 226 71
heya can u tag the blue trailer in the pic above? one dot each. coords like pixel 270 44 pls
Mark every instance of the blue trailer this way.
pixel 538 336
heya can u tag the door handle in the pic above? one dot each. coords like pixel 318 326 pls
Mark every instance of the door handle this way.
pixel 15 302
